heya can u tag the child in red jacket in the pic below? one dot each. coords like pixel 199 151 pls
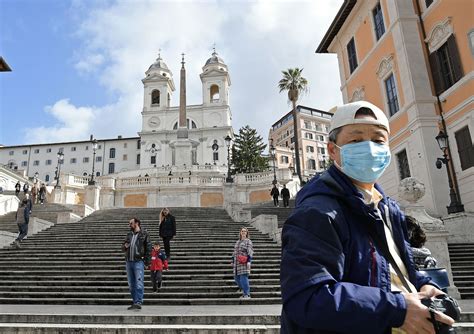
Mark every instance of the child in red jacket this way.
pixel 158 263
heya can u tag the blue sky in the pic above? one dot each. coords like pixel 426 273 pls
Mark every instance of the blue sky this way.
pixel 77 64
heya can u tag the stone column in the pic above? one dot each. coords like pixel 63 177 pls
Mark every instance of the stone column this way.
pixel 412 190
pixel 57 196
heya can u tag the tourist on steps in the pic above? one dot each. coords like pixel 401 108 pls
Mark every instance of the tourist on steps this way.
pixel 241 262
pixel 158 263
pixel 42 193
pixel 17 188
pixel 275 193
pixel 285 194
pixel 22 219
pixel 417 238
pixel 167 229
pixel 346 265
pixel 137 249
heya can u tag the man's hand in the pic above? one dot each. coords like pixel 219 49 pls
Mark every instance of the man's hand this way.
pixel 417 316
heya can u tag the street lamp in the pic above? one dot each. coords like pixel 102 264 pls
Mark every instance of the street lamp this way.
pixel 215 148
pixel 272 150
pixel 228 141
pixel 94 148
pixel 455 205
pixel 60 156
pixel 293 159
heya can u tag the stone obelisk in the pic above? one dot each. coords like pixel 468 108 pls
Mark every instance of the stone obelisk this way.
pixel 182 146
pixel 182 123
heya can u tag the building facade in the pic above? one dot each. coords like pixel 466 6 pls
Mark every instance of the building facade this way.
pixel 413 59
pixel 208 124
pixel 313 125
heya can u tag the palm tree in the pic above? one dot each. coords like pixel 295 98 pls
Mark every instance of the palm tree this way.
pixel 295 84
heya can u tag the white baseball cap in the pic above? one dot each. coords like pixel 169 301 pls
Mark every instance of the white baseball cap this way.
pixel 345 115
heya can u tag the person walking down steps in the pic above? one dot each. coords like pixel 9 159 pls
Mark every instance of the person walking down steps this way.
pixel 158 263
pixel 167 229
pixel 22 220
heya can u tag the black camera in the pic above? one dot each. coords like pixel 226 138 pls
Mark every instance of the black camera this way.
pixel 443 304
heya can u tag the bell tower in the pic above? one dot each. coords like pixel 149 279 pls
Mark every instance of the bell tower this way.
pixel 158 86
pixel 215 82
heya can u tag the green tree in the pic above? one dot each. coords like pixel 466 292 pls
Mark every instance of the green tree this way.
pixel 247 152
pixel 295 85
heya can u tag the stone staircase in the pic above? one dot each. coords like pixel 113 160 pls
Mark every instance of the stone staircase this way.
pixel 462 264
pixel 268 208
pixel 82 262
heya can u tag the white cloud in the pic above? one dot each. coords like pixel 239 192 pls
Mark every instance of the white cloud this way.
pixel 119 40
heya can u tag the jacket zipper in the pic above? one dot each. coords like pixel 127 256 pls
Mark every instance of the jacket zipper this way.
pixel 374 265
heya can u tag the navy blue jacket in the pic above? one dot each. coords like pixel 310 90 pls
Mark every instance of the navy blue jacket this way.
pixel 333 278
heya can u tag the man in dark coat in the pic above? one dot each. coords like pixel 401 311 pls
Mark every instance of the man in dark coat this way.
pixel 137 249
pixel 22 220
pixel 275 193
pixel 285 194
pixel 335 276
pixel 167 229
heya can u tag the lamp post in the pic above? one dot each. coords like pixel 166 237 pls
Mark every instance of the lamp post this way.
pixel 215 148
pixel 228 141
pixel 293 159
pixel 94 148
pixel 60 156
pixel 272 150
pixel 455 205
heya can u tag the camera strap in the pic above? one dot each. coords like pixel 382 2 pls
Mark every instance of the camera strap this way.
pixel 383 247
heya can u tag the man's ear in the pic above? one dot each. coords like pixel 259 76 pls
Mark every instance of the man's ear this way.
pixel 332 150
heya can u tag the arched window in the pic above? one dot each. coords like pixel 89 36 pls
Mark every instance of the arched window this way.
pixel 155 97
pixel 214 93
pixel 84 174
pixel 111 168
pixel 190 123
pixel 112 153
pixel 46 178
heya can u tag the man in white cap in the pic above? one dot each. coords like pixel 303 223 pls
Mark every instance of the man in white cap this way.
pixel 345 266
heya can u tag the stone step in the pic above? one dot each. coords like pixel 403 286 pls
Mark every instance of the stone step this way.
pixel 120 281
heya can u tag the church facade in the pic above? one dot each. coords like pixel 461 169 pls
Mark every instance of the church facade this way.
pixel 157 148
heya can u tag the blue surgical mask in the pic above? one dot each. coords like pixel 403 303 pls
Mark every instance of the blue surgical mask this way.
pixel 364 161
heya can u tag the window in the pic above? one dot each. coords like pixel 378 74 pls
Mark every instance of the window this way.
pixel 73 149
pixel 153 159
pixel 48 162
pixel 307 125
pixel 138 144
pixel 309 149
pixel 25 151
pixel 85 159
pixel 124 158
pixel 312 164
pixel 37 150
pixel 465 148
pixel 318 127
pixel 428 3
pixel 87 147
pixel 190 124
pixel 214 93
pixel 98 159
pixel 73 160
pixel 392 99
pixel 351 54
pixel 36 163
pixel 378 21
pixel 138 159
pixel 308 135
pixel 97 174
pixel 112 153
pixel 446 66
pixel 111 168
pixel 284 159
pixel 403 167
pixel 124 145
pixel 46 178
pixel 24 164
pixel 155 97
pixel 48 150
pixel 99 147
pixel 320 137
pixel 11 152
pixel 321 150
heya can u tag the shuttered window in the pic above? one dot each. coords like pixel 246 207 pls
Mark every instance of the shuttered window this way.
pixel 446 66
pixel 392 97
pixel 465 148
pixel 378 21
pixel 351 54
